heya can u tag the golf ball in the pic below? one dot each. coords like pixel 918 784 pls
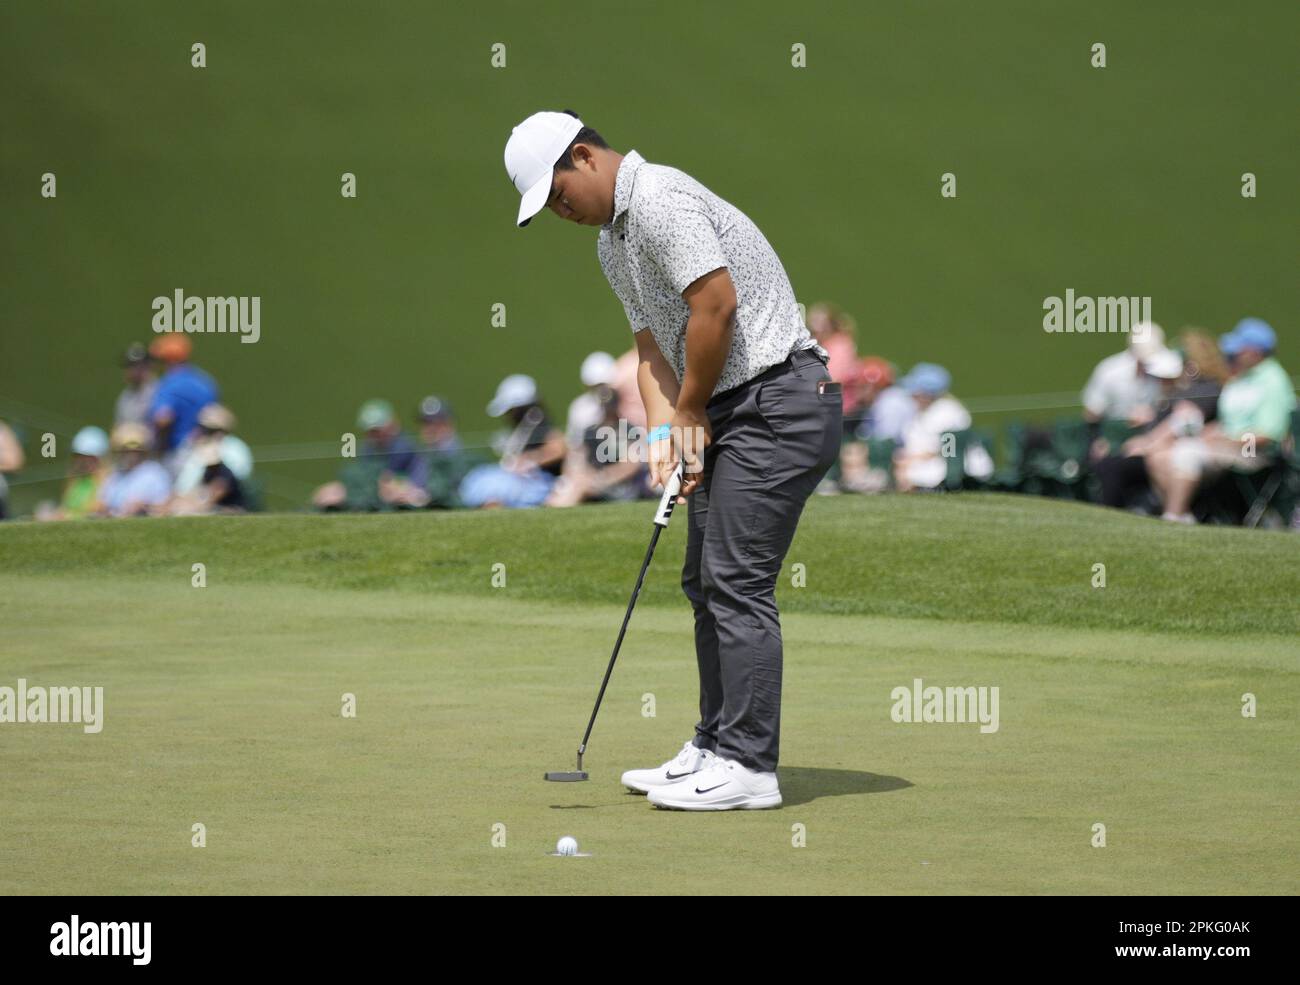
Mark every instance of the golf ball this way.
pixel 566 846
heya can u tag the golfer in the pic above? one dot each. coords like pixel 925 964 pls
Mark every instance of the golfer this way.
pixel 737 391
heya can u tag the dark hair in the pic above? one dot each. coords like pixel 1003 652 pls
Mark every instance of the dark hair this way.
pixel 585 136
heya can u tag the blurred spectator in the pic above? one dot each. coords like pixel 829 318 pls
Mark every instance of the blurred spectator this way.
pixel 630 407
pixel 599 468
pixel 1203 360
pixel 137 485
pixel 218 490
pixel 1123 476
pixel 1118 390
pixel 134 401
pixel 1254 418
pixel 182 391
pixel 446 461
pixel 920 462
pixel 87 469
pixel 532 453
pixel 11 460
pixel 387 473
pixel 588 409
pixel 881 411
pixel 215 466
pixel 833 329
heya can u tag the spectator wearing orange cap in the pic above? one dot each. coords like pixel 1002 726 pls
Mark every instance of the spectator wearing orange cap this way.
pixel 183 391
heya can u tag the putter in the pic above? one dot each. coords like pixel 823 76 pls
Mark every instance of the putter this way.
pixel 666 504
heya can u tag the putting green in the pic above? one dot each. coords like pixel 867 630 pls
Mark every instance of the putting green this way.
pixel 223 707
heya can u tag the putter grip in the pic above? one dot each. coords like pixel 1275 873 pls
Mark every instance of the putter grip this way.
pixel 669 498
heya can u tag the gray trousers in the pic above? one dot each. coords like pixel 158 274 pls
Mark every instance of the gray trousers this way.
pixel 774 439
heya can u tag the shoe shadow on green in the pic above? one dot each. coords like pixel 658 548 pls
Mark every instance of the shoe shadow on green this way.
pixel 804 784
pixel 799 785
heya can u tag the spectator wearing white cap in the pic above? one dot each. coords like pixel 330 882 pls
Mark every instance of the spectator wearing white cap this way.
pixel 532 452
pixel 587 409
pixel 596 465
pixel 533 443
pixel 1123 475
pixel 1118 390
pixel 87 469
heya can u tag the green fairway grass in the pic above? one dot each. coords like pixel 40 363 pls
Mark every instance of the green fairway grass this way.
pixel 1119 705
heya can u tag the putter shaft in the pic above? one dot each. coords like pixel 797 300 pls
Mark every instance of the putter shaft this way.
pixel 666 504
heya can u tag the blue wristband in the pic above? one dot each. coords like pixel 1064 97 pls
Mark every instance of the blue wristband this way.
pixel 662 431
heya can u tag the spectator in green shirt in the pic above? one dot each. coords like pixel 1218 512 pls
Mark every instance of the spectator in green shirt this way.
pixel 87 469
pixel 86 472
pixel 1254 418
pixel 384 475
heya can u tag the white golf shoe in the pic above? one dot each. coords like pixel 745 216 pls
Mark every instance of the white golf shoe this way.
pixel 687 763
pixel 724 786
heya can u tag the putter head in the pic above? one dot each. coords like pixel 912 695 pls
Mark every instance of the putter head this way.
pixel 562 777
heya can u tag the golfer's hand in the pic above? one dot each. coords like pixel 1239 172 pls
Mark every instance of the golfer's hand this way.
pixel 662 462
pixel 691 435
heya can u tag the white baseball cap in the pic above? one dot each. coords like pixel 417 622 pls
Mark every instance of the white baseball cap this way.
pixel 1163 364
pixel 598 368
pixel 91 441
pixel 1145 338
pixel 531 152
pixel 515 391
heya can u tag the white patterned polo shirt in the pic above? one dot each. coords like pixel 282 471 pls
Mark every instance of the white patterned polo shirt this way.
pixel 668 231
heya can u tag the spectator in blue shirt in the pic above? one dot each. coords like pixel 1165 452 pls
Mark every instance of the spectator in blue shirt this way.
pixel 183 390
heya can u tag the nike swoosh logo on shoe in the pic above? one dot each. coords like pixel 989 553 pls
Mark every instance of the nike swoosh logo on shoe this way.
pixel 722 784
pixel 678 776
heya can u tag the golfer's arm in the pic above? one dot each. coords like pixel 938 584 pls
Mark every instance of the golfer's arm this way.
pixel 708 337
pixel 655 380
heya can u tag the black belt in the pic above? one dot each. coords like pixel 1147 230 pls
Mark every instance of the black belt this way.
pixel 779 369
